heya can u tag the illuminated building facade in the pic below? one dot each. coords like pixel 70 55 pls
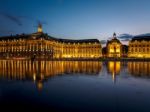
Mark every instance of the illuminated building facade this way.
pixel 139 47
pixel 114 47
pixel 41 45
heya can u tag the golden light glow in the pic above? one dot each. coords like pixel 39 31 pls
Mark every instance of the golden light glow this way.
pixel 111 50
pixel 39 85
pixel 139 68
pixel 40 30
pixel 34 77
pixel 139 49
pixel 118 50
pixel 38 71
pixel 114 68
pixel 114 47
pixel 140 55
pixel 92 56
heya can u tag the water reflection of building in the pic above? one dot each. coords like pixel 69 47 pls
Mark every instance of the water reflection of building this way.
pixel 114 68
pixel 40 71
pixel 41 45
pixel 140 69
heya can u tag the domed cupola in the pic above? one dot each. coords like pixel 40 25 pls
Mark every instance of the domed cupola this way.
pixel 40 30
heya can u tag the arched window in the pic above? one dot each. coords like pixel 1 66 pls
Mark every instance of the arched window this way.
pixel 147 49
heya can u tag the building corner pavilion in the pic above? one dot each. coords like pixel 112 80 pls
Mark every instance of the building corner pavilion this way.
pixel 41 45
pixel 139 47
pixel 115 49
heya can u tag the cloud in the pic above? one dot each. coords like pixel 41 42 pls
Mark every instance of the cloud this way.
pixel 103 41
pixel 125 37
pixel 18 20
pixel 15 19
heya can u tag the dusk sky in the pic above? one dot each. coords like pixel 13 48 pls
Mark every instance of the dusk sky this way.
pixel 75 19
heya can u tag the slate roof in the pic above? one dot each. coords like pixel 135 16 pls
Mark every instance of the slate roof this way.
pixel 47 37
pixel 140 38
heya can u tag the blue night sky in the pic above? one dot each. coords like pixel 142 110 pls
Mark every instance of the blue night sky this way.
pixel 75 19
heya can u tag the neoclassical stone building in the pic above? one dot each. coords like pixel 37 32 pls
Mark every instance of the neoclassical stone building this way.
pixel 41 45
pixel 114 47
pixel 139 47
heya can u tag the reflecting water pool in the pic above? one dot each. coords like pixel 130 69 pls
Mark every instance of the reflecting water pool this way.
pixel 79 86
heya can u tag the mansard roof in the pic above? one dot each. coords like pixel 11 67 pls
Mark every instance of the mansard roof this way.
pixel 79 41
pixel 12 37
pixel 24 36
pixel 141 38
pixel 47 37
pixel 113 40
